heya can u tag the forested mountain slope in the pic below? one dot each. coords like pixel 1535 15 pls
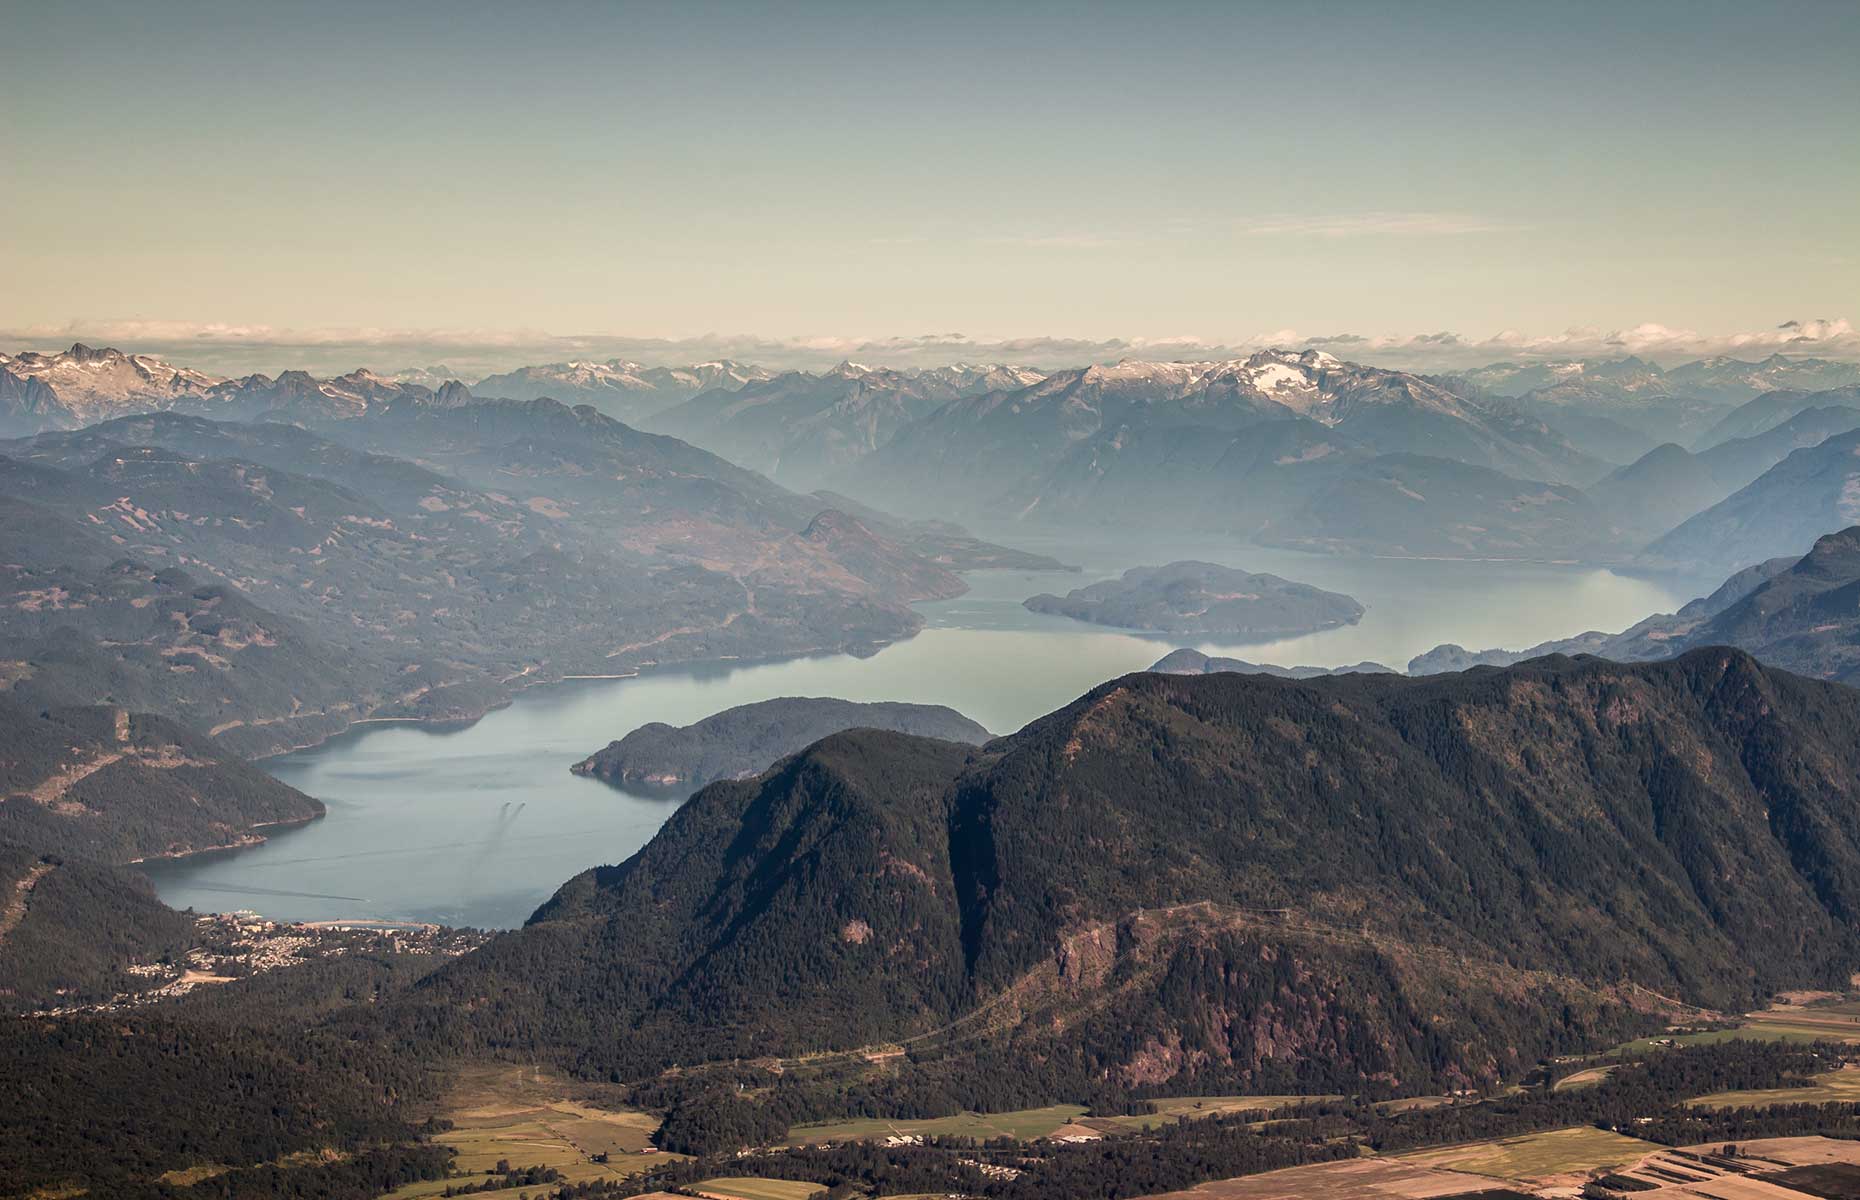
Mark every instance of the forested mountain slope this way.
pixel 746 739
pixel 271 583
pixel 68 927
pixel 1228 880
pixel 1812 491
pixel 1800 614
pixel 111 785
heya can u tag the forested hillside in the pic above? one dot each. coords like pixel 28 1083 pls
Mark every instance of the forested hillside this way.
pixel 111 785
pixel 415 554
pixel 1224 882
pixel 746 739
pixel 1800 614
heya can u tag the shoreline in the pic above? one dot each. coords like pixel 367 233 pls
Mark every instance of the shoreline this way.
pixel 520 682
pixel 252 838
pixel 517 685
pixel 529 681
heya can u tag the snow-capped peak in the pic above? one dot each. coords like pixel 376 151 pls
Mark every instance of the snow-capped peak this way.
pixel 99 383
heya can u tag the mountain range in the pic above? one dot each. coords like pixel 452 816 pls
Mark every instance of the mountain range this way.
pixel 95 384
pixel 1812 491
pixel 1175 886
pixel 802 428
pixel 1801 614
pixel 626 391
pixel 1624 407
pixel 1300 450
pixel 1772 410
pixel 1722 379
pixel 997 446
pixel 271 583
pixel 1669 484
pixel 113 786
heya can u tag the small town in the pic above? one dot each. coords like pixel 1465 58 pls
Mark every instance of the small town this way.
pixel 236 945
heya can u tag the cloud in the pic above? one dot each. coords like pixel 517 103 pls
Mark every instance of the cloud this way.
pixel 1375 224
pixel 1055 241
pixel 1051 239
pixel 470 354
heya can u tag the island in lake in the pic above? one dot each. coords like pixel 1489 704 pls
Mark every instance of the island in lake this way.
pixel 1204 598
pixel 742 742
pixel 1193 662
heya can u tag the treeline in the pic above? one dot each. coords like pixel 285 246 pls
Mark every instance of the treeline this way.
pixel 68 926
pixel 1176 1156
pixel 243 1073
pixel 1373 1035
pixel 365 1176
pixel 109 1101
pixel 1644 1100
pixel 232 1097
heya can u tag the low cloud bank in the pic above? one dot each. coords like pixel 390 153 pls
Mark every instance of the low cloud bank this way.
pixel 471 354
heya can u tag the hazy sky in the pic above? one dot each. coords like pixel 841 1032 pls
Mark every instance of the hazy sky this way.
pixel 1093 171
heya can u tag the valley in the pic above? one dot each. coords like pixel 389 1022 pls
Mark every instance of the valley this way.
pixel 419 608
pixel 434 820
pixel 1204 931
pixel 823 601
pixel 439 805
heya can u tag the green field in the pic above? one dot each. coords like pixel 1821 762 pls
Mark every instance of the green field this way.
pixel 1410 1103
pixel 1836 1021
pixel 1028 1124
pixel 527 1117
pixel 1176 1107
pixel 758 1189
pixel 1537 1155
pixel 1834 1086
pixel 1764 1031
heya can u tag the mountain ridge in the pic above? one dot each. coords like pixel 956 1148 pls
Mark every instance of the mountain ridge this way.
pixel 1374 828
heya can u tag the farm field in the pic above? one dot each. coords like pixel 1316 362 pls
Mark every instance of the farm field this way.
pixel 1537 1156
pixel 528 1118
pixel 757 1189
pixel 1842 1085
pixel 1790 1168
pixel 1767 1031
pixel 1583 1079
pixel 1410 1103
pixel 1354 1179
pixel 1787 1020
pixel 1029 1124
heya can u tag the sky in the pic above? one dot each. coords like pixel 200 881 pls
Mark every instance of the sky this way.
pixel 445 180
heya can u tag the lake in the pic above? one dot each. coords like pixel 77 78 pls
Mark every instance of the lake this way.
pixel 478 825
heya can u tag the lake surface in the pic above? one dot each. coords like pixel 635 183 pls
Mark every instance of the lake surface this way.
pixel 479 825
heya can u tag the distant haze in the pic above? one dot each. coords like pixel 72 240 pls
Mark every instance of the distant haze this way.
pixel 257 186
pixel 470 355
